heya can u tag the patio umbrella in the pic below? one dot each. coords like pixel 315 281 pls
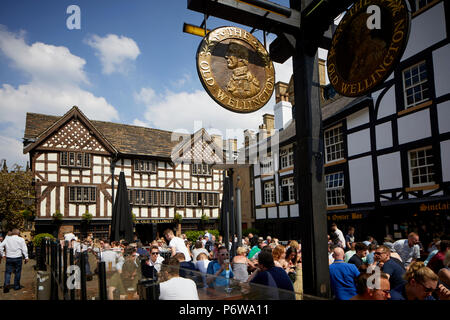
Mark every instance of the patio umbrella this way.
pixel 122 221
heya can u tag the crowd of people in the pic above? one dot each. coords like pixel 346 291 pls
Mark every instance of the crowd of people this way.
pixel 178 265
pixel 393 270
pixel 359 270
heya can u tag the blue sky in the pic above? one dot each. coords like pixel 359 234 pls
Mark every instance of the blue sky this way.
pixel 129 63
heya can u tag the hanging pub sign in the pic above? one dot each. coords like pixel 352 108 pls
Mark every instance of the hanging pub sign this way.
pixel 235 69
pixel 367 45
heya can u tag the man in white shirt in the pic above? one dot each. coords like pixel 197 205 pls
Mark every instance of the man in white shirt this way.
pixel 15 248
pixel 69 236
pixel 177 245
pixel 175 287
pixel 339 234
pixel 110 257
pixel 408 249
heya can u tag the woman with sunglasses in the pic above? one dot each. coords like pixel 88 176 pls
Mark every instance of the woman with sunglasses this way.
pixel 420 284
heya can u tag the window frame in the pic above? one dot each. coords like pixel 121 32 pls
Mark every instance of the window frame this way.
pixel 76 160
pixel 269 192
pixel 335 199
pixel 291 191
pixel 340 143
pixel 410 168
pixel 144 166
pixel 82 194
pixel 412 86
pixel 287 157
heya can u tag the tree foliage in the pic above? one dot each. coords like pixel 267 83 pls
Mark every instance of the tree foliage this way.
pixel 15 192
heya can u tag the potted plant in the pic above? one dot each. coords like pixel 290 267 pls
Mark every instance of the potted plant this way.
pixel 203 221
pixel 178 218
pixel 86 217
pixel 57 216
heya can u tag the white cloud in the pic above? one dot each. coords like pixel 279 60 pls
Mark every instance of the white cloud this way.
pixel 43 62
pixel 54 87
pixel 9 150
pixel 146 96
pixel 190 111
pixel 115 52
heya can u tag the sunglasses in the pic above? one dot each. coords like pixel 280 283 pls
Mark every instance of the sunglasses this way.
pixel 224 254
pixel 427 290
pixel 155 253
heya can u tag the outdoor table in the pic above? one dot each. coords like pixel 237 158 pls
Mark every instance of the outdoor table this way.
pixel 219 293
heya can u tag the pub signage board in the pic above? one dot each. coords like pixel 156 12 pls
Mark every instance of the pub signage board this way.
pixel 235 69
pixel 367 45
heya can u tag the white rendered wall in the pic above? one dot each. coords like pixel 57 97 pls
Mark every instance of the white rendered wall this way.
pixel 272 212
pixel 358 142
pixel 443 110
pixel 383 133
pixel 361 180
pixel 294 210
pixel 260 213
pixel 414 126
pixel 283 211
pixel 427 29
pixel 441 68
pixel 358 118
pixel 445 160
pixel 387 104
pixel 257 192
pixel 390 171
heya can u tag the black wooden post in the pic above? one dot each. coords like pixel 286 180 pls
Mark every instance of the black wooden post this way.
pixel 102 280
pixel 65 251
pixel 72 262
pixel 59 251
pixel 42 255
pixel 53 271
pixel 309 169
pixel 83 258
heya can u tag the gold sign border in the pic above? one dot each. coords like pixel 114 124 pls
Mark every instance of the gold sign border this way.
pixel 209 83
pixel 399 10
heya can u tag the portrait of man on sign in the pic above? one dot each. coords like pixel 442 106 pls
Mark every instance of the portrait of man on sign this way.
pixel 242 84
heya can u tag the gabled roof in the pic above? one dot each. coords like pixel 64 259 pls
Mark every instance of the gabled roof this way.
pixel 122 139
pixel 73 113
pixel 198 147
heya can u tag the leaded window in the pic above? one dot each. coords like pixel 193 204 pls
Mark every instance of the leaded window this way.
pixel 334 144
pixel 421 167
pixel 334 184
pixel 415 85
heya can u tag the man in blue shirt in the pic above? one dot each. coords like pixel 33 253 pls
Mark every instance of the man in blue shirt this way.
pixel 382 257
pixel 342 276
pixel 219 270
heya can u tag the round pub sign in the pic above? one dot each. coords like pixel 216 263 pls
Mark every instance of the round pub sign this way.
pixel 367 44
pixel 235 69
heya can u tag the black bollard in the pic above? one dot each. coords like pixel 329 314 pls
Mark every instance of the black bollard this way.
pixel 65 269
pixel 59 251
pixel 102 280
pixel 83 257
pixel 72 262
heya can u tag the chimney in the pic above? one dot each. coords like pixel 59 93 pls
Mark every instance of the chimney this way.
pixel 217 139
pixel 322 73
pixel 269 122
pixel 282 108
pixel 281 92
